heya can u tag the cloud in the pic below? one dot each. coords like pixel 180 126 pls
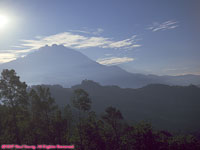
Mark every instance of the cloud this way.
pixel 108 54
pixel 163 26
pixel 6 57
pixel 180 71
pixel 87 31
pixel 99 31
pixel 114 60
pixel 80 31
pixel 77 41
pixel 9 55
pixel 175 69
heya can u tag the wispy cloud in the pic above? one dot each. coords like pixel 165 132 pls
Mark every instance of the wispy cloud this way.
pixel 114 60
pixel 9 55
pixel 98 31
pixel 77 41
pixel 108 54
pixel 80 31
pixel 163 26
pixel 87 31
pixel 175 69
pixel 6 57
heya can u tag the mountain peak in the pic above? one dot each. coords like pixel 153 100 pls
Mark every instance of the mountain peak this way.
pixel 87 84
pixel 57 64
pixel 55 47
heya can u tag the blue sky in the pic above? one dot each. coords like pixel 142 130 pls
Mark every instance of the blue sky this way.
pixel 151 37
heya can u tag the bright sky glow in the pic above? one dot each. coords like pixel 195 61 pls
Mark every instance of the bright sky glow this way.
pixel 3 21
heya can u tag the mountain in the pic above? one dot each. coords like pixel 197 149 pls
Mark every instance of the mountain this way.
pixel 181 79
pixel 174 108
pixel 57 64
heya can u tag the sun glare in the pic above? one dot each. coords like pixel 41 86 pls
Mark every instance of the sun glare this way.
pixel 3 21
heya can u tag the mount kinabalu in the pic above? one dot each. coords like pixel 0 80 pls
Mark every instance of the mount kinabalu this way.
pixel 61 65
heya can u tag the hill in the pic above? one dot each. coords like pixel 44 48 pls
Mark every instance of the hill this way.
pixel 174 108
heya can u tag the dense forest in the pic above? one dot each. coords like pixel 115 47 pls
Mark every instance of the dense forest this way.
pixel 31 116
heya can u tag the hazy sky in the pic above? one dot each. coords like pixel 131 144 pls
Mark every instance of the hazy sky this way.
pixel 146 36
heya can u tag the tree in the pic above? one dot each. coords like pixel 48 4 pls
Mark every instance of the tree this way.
pixel 113 118
pixel 43 110
pixel 68 119
pixel 13 95
pixel 13 92
pixel 81 100
pixel 93 132
pixel 82 103
pixel 144 136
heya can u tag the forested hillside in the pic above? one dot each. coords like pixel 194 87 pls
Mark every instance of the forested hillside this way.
pixel 31 116
pixel 174 108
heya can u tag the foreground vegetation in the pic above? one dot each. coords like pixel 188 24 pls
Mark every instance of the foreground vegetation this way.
pixel 30 116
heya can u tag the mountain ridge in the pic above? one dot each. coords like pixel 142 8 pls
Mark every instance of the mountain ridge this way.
pixel 174 108
pixel 57 64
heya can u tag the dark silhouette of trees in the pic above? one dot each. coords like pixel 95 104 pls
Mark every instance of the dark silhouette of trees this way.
pixel 29 115
pixel 14 98
pixel 43 111
pixel 81 100
pixel 82 103
pixel 113 118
